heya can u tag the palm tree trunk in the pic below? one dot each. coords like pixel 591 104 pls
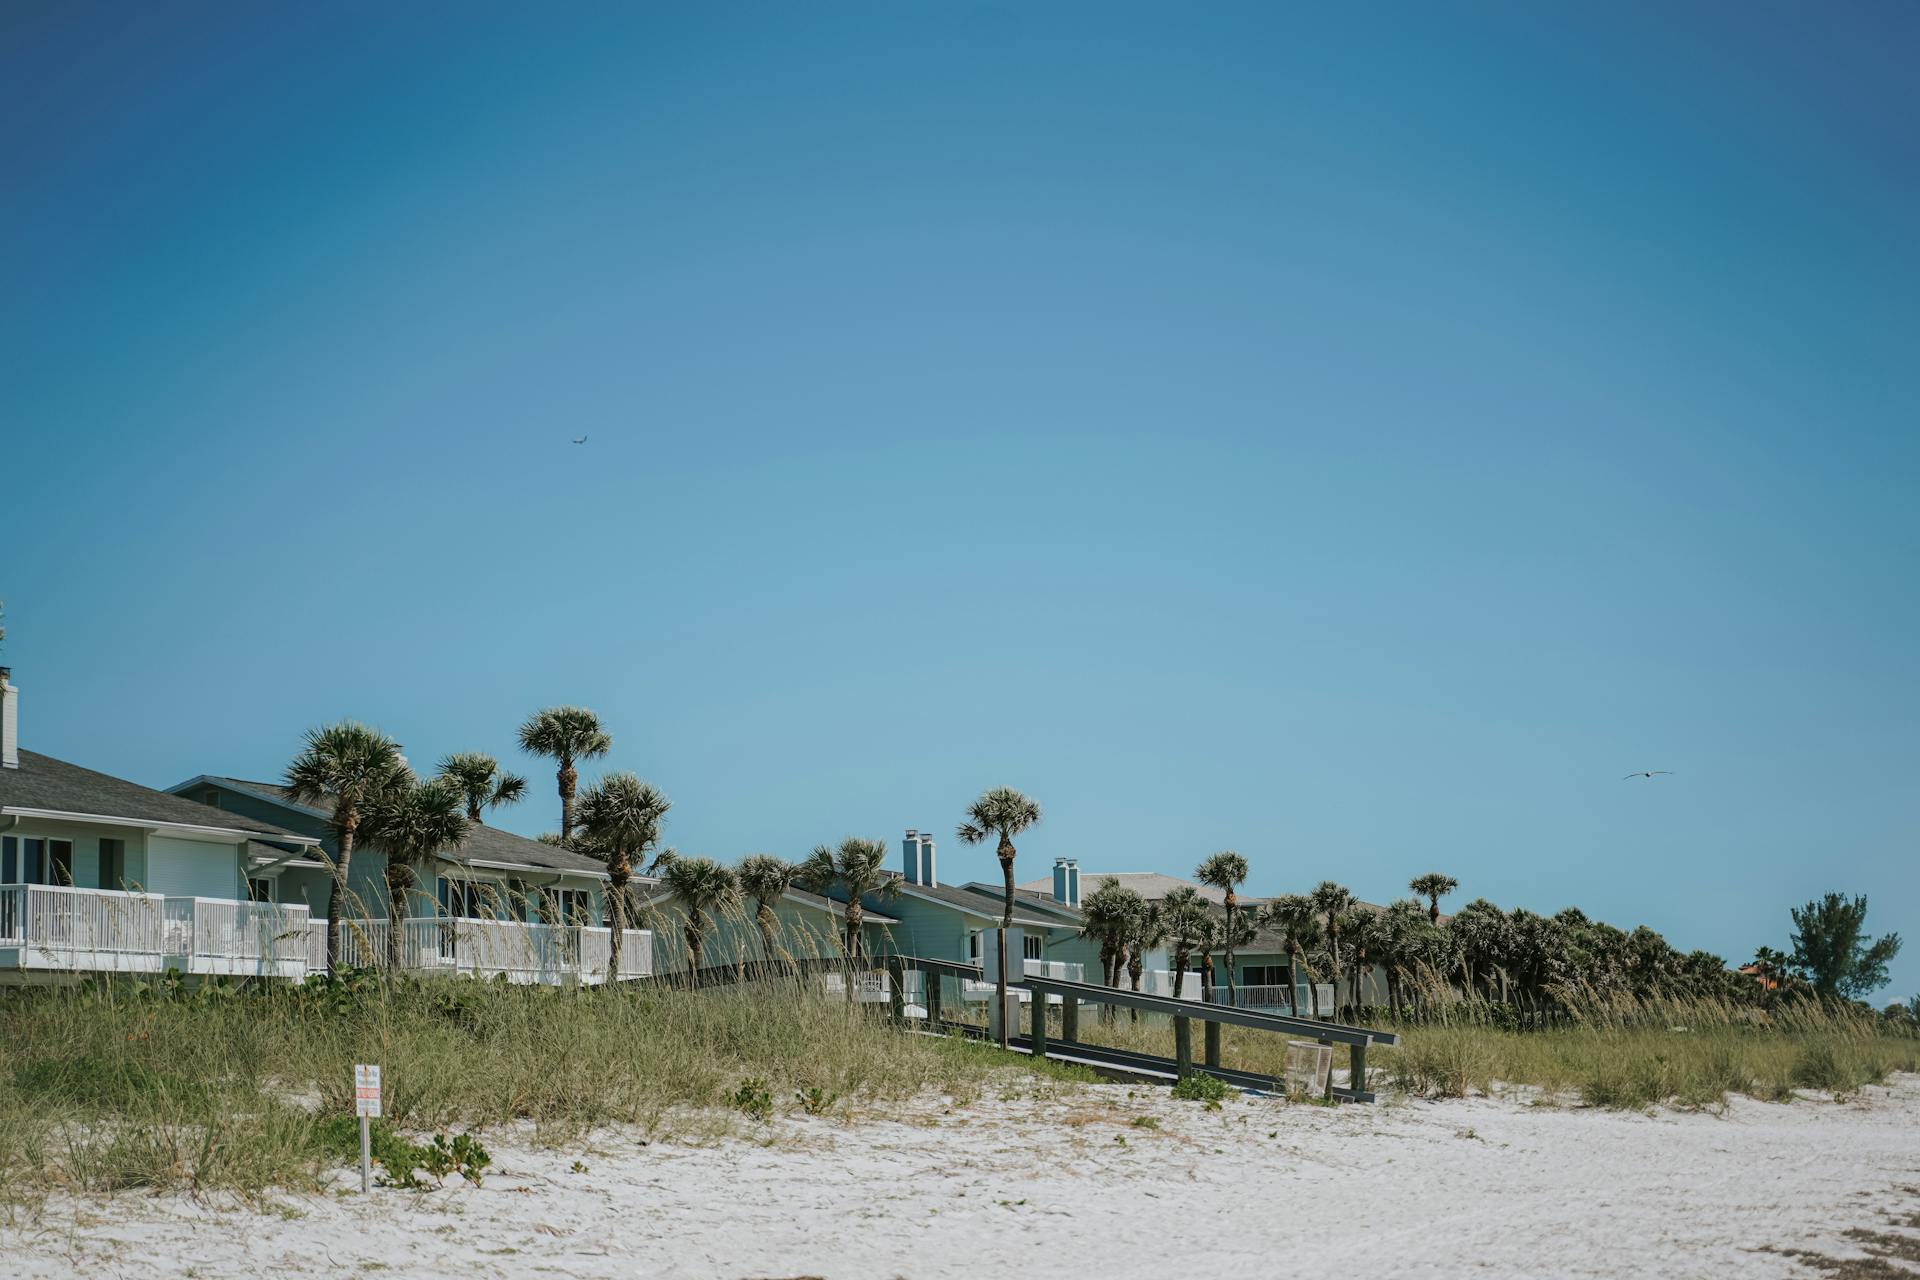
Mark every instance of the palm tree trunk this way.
pixel 1232 902
pixel 1206 977
pixel 397 881
pixel 767 922
pixel 694 944
pixel 1180 958
pixel 568 780
pixel 336 901
pixel 1006 852
pixel 616 912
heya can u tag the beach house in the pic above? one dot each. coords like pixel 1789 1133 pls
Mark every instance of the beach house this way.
pixel 101 875
pixel 497 905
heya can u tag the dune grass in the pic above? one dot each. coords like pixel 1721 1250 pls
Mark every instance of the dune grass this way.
pixel 1630 1055
pixel 103 1090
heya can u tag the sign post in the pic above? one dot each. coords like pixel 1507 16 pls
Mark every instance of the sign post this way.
pixel 366 1104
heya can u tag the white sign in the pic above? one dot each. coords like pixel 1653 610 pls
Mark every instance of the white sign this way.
pixel 366 1090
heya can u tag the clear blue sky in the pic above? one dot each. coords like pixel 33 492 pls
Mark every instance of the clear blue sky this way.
pixel 1354 439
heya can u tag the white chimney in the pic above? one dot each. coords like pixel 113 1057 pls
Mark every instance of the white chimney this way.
pixel 926 859
pixel 9 721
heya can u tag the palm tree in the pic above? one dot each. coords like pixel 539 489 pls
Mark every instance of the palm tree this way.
pixel 348 766
pixel 565 735
pixel 1106 915
pixel 1149 931
pixel 1433 886
pixel 701 885
pixel 1005 813
pixel 1181 913
pixel 412 823
pixel 482 781
pixel 765 879
pixel 1333 901
pixel 1208 933
pixel 1291 915
pixel 1225 871
pixel 859 867
pixel 621 821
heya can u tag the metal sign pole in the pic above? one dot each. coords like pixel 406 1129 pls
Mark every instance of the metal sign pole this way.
pixel 366 1105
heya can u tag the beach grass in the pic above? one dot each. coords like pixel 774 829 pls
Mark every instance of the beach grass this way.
pixel 112 1088
pixel 1617 1054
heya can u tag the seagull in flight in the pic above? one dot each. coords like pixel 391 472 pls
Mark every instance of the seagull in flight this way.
pixel 1647 773
pixel 579 439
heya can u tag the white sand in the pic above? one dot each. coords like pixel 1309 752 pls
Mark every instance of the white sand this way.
pixel 1047 1187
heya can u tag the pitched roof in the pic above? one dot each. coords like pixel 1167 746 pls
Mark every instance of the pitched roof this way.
pixel 800 896
pixel 483 844
pixel 1150 885
pixel 42 782
pixel 973 901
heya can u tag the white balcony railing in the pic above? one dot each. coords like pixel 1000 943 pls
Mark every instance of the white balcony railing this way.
pixel 106 930
pixel 58 927
pixel 520 952
pixel 1281 999
pixel 1065 970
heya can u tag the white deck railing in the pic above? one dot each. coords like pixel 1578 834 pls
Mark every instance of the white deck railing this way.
pixel 107 930
pixel 520 952
pixel 65 927
pixel 1281 999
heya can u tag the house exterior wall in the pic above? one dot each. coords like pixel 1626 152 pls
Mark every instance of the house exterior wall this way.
pixel 86 838
pixel 193 868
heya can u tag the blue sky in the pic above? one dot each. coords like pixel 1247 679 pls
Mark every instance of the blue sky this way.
pixel 1354 439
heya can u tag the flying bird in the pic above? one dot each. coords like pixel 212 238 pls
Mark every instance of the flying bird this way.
pixel 579 439
pixel 1646 773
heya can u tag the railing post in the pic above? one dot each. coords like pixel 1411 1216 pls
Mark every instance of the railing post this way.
pixel 1039 1003
pixel 1183 1047
pixel 1213 1044
pixel 897 988
pixel 1070 1018
pixel 1356 1068
pixel 1329 1045
pixel 933 985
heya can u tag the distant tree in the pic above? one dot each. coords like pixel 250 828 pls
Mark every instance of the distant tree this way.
pixel 1830 947
pixel 1433 886
pixel 482 782
pixel 1226 871
pixel 701 886
pixel 1149 931
pixel 349 767
pixel 764 879
pixel 565 735
pixel 859 868
pixel 1106 917
pixel 1182 914
pixel 1291 915
pixel 620 818
pixel 412 823
pixel 1004 813
pixel 1333 902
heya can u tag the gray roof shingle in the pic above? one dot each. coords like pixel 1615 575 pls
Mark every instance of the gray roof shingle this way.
pixel 482 843
pixel 42 782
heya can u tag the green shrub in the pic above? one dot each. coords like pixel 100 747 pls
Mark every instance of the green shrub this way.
pixel 1200 1087
pixel 755 1099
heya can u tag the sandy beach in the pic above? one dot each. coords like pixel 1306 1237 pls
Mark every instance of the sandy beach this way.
pixel 1098 1180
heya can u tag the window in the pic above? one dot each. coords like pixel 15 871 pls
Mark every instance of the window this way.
pixel 31 852
pixel 572 906
pixel 10 860
pixel 1263 975
pixel 113 864
pixel 1035 946
pixel 470 899
pixel 60 862
pixel 973 947
pixel 259 889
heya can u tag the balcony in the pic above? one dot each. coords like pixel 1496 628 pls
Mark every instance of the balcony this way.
pixel 544 954
pixel 49 929
pixel 1280 999
pixel 1064 970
